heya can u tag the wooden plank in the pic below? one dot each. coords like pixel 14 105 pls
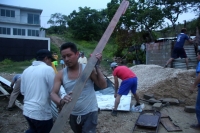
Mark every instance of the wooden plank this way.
pixel 169 125
pixel 3 95
pixel 65 112
pixel 17 103
pixel 5 81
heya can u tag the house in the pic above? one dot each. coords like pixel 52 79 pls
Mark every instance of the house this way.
pixel 20 21
pixel 20 34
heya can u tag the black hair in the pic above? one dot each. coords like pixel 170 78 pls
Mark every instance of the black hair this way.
pixel 183 30
pixel 70 45
pixel 40 58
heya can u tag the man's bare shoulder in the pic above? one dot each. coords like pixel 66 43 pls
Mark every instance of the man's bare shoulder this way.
pixel 59 74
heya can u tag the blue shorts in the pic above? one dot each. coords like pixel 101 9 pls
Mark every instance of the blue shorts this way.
pixel 127 85
pixel 178 52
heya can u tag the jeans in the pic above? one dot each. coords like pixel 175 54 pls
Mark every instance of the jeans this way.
pixel 39 126
pixel 198 106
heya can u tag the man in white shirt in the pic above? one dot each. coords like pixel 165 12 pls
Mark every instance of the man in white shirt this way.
pixel 82 59
pixel 36 85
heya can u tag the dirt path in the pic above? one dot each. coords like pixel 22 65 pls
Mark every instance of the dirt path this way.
pixel 163 85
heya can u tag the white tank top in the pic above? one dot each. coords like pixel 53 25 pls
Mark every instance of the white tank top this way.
pixel 87 101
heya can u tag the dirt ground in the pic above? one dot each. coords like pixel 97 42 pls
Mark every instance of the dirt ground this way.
pixel 151 79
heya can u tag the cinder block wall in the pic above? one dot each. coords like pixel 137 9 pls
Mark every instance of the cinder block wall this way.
pixel 158 53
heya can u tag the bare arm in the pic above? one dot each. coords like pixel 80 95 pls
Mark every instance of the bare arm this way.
pixel 56 88
pixel 97 76
pixel 190 41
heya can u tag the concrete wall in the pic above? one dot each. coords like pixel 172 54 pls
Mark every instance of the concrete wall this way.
pixel 158 53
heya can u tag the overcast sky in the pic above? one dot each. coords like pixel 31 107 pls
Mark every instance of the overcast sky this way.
pixel 67 6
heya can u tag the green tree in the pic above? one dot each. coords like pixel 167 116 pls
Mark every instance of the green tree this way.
pixel 57 19
pixel 87 24
pixel 149 17
pixel 172 9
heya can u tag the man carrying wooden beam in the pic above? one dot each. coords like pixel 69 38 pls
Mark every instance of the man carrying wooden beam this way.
pixel 84 115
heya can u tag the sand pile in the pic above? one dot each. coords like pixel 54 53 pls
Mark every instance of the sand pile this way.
pixel 165 82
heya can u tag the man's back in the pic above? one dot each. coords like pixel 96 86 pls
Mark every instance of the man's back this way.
pixel 181 40
pixel 123 72
pixel 36 85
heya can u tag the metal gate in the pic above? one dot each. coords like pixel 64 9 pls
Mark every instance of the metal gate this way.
pixel 192 60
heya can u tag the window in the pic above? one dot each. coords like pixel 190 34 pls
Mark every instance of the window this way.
pixel 7 13
pixel 19 32
pixel 12 14
pixel 33 32
pixel 4 30
pixel 3 12
pixel 33 19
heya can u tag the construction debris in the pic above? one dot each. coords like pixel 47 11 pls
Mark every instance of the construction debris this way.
pixel 190 109
pixel 169 125
pixel 148 96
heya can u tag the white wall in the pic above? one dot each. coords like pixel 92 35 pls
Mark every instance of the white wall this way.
pixel 15 19
pixel 11 26
pixel 24 17
pixel 20 21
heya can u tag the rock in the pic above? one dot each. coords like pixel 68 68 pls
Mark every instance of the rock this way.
pixel 153 100
pixel 190 109
pixel 148 96
pixel 172 101
pixel 157 106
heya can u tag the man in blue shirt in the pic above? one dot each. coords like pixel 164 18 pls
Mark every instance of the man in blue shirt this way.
pixel 16 81
pixel 178 50
pixel 194 88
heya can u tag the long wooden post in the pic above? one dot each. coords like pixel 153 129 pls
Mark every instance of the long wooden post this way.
pixel 66 110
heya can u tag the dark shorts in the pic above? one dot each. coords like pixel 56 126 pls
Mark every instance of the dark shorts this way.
pixel 39 126
pixel 179 52
pixel 127 85
pixel 84 123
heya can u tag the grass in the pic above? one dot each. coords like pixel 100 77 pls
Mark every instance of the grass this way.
pixel 9 66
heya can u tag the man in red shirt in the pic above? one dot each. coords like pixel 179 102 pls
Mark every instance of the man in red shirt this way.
pixel 129 82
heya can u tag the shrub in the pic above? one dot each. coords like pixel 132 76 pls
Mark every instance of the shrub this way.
pixel 6 62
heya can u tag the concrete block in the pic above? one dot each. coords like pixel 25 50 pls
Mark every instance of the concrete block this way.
pixel 190 109
pixel 157 106
pixel 172 101
pixel 148 96
pixel 153 100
